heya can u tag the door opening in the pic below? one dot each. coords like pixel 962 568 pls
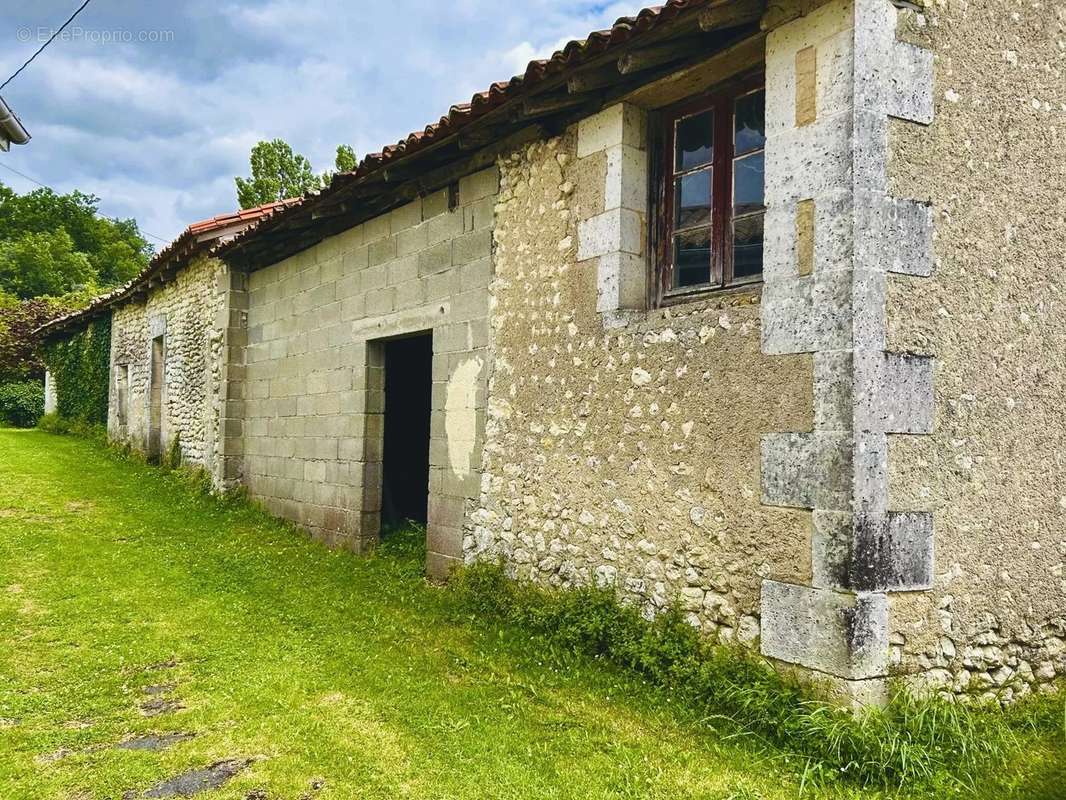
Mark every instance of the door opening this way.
pixel 408 389
pixel 155 401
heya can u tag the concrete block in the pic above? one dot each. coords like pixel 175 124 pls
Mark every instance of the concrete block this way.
pixel 412 240
pixel 485 183
pixel 382 250
pixel 479 215
pixel 381 301
pixel 444 227
pixel 435 204
pixel 472 246
pixel 410 293
pixel 436 258
pixel 475 274
pixel 377 228
pixel 355 260
pixel 401 270
pixel 845 635
pixel 406 216
pixel 444 541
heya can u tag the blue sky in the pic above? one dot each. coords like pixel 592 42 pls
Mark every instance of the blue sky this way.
pixel 154 106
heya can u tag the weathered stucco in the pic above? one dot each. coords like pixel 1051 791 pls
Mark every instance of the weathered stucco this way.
pixel 185 313
pixel 994 471
pixel 625 452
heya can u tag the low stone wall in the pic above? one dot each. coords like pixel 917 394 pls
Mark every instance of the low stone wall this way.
pixel 185 313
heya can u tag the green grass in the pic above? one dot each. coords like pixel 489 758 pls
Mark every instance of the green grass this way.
pixel 326 666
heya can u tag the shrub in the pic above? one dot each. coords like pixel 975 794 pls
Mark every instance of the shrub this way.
pixel 53 423
pixel 912 741
pixel 21 403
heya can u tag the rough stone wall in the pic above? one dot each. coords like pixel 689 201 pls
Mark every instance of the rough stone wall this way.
pixel 313 381
pixel 993 166
pixel 185 312
pixel 623 450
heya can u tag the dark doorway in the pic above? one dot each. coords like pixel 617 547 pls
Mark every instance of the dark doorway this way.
pixel 408 387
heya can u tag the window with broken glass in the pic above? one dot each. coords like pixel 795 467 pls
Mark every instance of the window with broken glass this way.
pixel 709 199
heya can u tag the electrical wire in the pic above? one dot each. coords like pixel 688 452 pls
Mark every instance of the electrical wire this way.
pixel 45 186
pixel 50 40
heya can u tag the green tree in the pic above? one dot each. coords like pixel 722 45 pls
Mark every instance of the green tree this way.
pixel 345 160
pixel 277 173
pixel 46 263
pixel 115 248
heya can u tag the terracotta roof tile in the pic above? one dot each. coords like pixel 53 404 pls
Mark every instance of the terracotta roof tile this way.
pixel 573 54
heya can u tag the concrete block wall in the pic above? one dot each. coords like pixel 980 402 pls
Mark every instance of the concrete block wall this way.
pixel 313 398
pixel 184 311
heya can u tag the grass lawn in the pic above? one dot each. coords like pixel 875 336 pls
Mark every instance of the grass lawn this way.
pixel 338 676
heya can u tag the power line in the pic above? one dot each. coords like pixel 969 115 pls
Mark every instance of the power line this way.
pixel 50 40
pixel 46 186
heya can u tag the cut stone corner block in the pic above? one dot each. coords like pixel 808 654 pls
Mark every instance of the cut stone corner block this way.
pixel 806 470
pixel 618 124
pixel 840 634
pixel 899 393
pixel 889 552
pixel 621 282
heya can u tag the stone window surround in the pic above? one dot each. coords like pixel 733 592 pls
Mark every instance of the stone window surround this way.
pixel 619 237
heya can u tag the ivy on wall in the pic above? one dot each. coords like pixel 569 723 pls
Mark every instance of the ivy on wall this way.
pixel 80 363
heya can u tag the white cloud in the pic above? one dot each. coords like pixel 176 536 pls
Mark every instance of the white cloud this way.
pixel 159 130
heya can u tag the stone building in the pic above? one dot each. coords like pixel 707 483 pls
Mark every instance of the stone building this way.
pixel 169 330
pixel 749 306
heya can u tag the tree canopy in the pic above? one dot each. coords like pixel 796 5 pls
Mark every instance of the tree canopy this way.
pixel 53 244
pixel 279 172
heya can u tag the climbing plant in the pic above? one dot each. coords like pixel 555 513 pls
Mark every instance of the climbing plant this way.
pixel 80 365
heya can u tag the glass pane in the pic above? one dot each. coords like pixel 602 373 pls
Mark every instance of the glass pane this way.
pixel 692 258
pixel 692 199
pixel 749 124
pixel 748 184
pixel 747 247
pixel 694 142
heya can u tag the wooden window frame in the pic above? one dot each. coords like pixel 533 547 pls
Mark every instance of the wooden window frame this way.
pixel 721 100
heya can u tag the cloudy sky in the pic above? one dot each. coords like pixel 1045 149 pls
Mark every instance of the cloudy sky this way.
pixel 154 106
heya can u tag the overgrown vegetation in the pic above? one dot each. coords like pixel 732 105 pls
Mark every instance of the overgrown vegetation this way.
pixel 913 742
pixel 352 671
pixel 80 363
